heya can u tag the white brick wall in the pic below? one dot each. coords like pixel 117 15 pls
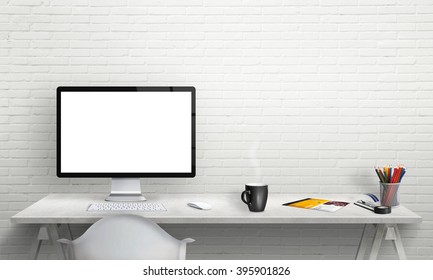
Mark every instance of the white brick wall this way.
pixel 306 95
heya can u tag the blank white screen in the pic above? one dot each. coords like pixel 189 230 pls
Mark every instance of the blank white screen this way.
pixel 126 132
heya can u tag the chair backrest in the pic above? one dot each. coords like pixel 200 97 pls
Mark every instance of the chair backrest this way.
pixel 125 237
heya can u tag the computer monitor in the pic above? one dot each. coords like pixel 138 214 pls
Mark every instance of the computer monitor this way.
pixel 125 133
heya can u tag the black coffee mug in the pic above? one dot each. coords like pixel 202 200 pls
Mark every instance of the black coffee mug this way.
pixel 255 196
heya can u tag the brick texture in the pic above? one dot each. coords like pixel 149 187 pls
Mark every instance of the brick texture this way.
pixel 305 95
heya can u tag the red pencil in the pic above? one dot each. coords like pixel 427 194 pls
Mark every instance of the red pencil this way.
pixel 396 175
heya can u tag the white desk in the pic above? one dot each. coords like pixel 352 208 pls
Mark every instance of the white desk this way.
pixel 57 209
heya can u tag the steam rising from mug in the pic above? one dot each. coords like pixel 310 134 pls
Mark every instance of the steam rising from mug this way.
pixel 254 161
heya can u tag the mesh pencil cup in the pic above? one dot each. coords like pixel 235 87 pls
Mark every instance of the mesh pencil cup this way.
pixel 389 194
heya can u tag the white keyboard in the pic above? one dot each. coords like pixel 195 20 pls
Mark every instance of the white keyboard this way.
pixel 127 206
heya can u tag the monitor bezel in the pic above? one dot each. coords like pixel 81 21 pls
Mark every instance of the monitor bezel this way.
pixel 61 174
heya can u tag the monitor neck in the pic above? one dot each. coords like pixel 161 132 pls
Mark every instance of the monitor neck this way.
pixel 125 189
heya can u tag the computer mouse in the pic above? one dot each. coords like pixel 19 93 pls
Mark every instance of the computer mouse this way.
pixel 200 205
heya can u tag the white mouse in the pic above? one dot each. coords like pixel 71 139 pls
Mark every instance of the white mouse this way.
pixel 200 205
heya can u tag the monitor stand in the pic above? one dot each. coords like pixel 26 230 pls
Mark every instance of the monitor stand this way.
pixel 125 189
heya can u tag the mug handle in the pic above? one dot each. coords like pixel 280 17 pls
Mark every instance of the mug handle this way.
pixel 246 198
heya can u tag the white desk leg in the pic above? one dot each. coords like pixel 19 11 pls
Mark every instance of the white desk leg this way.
pixel 54 236
pixel 41 234
pixel 65 231
pixel 362 244
pixel 46 232
pixel 378 237
pixel 393 234
pixel 69 232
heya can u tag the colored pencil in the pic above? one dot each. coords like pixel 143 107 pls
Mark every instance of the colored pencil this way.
pixel 389 174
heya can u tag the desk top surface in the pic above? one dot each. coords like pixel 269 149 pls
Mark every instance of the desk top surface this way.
pixel 226 209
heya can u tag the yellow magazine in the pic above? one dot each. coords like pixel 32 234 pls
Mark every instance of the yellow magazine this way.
pixel 317 204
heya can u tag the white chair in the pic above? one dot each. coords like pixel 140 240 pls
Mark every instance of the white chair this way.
pixel 125 237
